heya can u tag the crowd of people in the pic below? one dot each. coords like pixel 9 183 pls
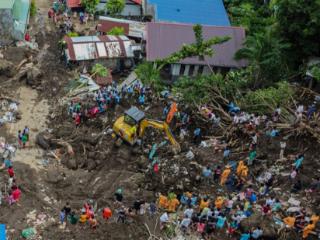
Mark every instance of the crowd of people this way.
pixel 103 99
pixel 10 192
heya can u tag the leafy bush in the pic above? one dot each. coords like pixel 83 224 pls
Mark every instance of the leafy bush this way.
pixel 116 31
pixel 99 70
pixel 214 87
pixel 33 8
pixel 115 7
pixel 265 100
pixel 90 5
pixel 149 75
pixel 72 34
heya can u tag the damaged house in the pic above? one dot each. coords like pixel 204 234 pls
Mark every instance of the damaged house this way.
pixel 114 52
pixel 14 19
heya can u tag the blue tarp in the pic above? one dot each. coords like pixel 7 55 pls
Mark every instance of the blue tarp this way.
pixel 206 12
pixel 3 232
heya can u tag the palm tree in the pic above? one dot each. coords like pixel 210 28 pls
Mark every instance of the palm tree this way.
pixel 265 54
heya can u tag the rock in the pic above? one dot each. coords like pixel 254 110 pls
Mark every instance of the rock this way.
pixel 53 175
pixel 43 140
pixel 6 68
pixel 71 163
pixel 91 165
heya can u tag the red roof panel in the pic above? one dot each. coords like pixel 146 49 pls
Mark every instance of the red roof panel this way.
pixel 73 3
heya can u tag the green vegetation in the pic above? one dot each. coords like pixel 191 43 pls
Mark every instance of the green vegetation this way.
pixel 149 75
pixel 99 70
pixel 265 100
pixel 33 8
pixel 282 35
pixel 115 7
pixel 72 34
pixel 90 5
pixel 116 31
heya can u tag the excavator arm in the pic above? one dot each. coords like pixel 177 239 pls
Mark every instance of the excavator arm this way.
pixel 159 125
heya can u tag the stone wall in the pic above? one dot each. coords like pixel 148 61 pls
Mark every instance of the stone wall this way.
pixel 6 26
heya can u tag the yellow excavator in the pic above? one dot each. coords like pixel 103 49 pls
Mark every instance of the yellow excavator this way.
pixel 133 123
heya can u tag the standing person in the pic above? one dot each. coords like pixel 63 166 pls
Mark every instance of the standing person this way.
pixel 20 138
pixel 16 194
pixel 26 132
pixel 225 175
pixel 283 145
pixel 10 172
pixel 67 209
pixel 217 173
pixel 197 136
pixel 119 195
pixel 62 216
pixel 107 213
pixel 93 222
pixel 207 174
pixel 24 140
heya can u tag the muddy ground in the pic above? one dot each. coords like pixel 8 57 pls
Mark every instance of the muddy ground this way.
pixel 98 168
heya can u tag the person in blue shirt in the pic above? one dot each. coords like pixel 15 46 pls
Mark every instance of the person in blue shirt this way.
pixel 221 221
pixel 197 135
pixel 298 162
pixel 141 99
pixel 226 153
pixel 257 233
pixel 207 174
pixel 245 236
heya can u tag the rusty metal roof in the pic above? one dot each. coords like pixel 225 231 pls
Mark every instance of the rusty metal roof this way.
pixel 74 3
pixel 164 39
pixel 95 47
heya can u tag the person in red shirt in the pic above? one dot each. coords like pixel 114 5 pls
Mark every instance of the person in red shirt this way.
pixel 27 37
pixel 16 194
pixel 11 172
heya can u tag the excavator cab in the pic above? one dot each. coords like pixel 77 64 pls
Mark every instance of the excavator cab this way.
pixel 133 123
pixel 126 126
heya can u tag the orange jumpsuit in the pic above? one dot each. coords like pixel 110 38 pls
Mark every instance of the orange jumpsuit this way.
pixel 309 228
pixel 172 205
pixel 239 167
pixel 224 176
pixel 163 201
pixel 244 172
pixel 289 221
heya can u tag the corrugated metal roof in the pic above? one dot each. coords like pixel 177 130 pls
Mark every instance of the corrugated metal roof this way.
pixel 164 39
pixel 6 4
pixel 73 3
pixel 131 28
pixel 208 12
pixel 94 47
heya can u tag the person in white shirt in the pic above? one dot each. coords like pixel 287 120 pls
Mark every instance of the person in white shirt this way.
pixel 188 212
pixel 282 148
pixel 164 219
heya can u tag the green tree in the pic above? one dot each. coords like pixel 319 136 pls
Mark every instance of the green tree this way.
pixel 265 53
pixel 116 31
pixel 299 25
pixel 99 70
pixel 90 5
pixel 115 7
pixel 149 75
pixel 33 8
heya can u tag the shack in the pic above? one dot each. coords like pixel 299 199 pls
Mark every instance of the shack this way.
pixel 111 51
pixel 14 19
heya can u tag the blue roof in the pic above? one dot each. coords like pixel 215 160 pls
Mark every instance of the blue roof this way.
pixel 205 12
